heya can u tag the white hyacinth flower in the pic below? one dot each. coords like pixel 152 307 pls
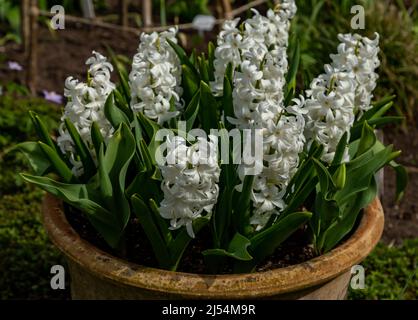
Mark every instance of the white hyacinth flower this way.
pixel 155 78
pixel 344 90
pixel 359 55
pixel 258 52
pixel 190 181
pixel 85 105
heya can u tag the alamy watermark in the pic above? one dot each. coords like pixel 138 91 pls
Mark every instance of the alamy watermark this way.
pixel 247 146
pixel 358 275
pixel 58 278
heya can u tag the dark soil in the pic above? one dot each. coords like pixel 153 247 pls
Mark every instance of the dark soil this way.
pixel 137 248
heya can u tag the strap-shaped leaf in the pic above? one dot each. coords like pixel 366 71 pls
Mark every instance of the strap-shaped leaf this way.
pixel 190 83
pixel 355 132
pixel 113 113
pixel 293 69
pixel 151 230
pixel 84 199
pixel 340 176
pixel 298 198
pixel 237 249
pixel 264 243
pixel 326 182
pixel 242 208
pixel 123 74
pixel 339 230
pixel 340 150
pixel 119 153
pixel 97 138
pixel 160 222
pixel 123 105
pixel 183 58
pixel 211 59
pixel 401 179
pixel 37 159
pixel 358 179
pixel 42 131
pixel 57 163
pixel 81 149
pixel 203 68
pixel 106 188
pixel 150 127
pixel 192 110
pixel 367 139
pixel 227 100
pixel 208 108
pixel 146 156
pixel 378 106
pixel 182 240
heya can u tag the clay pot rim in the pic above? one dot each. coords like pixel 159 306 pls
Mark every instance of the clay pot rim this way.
pixel 267 283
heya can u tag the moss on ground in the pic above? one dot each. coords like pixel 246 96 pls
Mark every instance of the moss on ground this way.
pixel 391 273
pixel 26 254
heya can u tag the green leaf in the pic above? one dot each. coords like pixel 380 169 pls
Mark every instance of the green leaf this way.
pixel 340 176
pixel 340 150
pixel 81 149
pixel 123 105
pixel 161 222
pixel 192 110
pixel 264 243
pixel 208 108
pixel 367 139
pixel 298 198
pixel 119 153
pixel 145 185
pixel 203 68
pixel 237 249
pixel 42 131
pixel 377 106
pixel 227 100
pixel 123 74
pixel 339 230
pixel 325 178
pixel 356 130
pixel 106 188
pixel 145 219
pixel 293 69
pixel 36 157
pixel 401 179
pixel 97 138
pixel 183 58
pixel 190 83
pixel 84 199
pixel 146 156
pixel 113 113
pixel 182 240
pixel 58 164
pixel 211 59
pixel 150 127
pixel 242 208
pixel 382 111
pixel 358 177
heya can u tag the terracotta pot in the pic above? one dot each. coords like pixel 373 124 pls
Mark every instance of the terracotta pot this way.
pixel 98 275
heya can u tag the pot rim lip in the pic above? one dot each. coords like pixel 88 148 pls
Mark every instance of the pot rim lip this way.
pixel 293 278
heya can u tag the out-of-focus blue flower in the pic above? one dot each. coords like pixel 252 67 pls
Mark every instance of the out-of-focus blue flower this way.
pixel 13 65
pixel 53 96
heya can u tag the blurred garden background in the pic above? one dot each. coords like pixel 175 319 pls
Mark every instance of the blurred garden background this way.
pixel 34 65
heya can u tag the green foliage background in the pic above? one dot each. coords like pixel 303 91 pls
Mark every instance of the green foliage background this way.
pixel 26 254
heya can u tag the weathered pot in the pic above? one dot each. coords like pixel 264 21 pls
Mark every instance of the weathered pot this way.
pixel 98 275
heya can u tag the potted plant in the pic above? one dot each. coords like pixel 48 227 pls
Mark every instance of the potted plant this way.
pixel 148 197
